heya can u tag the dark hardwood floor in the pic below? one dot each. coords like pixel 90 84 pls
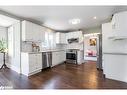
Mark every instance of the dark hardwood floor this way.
pixel 64 76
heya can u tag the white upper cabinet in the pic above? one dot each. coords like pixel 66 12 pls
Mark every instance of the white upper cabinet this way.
pixel 27 28
pixel 61 38
pixel 76 34
pixel 70 35
pixel 39 33
pixel 32 32
pixel 119 24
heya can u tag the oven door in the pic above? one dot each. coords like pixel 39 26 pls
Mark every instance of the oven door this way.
pixel 71 57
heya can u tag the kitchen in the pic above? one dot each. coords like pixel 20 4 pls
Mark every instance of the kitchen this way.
pixel 66 50
pixel 48 48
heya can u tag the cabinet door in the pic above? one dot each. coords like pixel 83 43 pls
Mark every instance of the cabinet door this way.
pixel 62 56
pixel 39 61
pixel 63 38
pixel 55 58
pixel 75 34
pixel 32 32
pixel 35 32
pixel 70 35
pixel 58 57
pixel 43 30
pixel 41 33
pixel 115 25
pixel 57 37
pixel 67 38
pixel 27 29
pixel 32 63
pixel 119 23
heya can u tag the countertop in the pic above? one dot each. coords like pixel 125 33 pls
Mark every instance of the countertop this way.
pixel 45 51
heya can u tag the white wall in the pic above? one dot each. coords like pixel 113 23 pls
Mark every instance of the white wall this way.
pixel 14 54
pixel 87 45
pixel 93 30
pixel 88 48
pixel 3 35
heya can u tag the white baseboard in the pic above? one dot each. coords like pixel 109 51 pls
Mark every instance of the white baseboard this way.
pixel 15 69
pixel 8 65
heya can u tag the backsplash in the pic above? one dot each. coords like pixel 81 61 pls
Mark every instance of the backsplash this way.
pixel 27 47
pixel 75 46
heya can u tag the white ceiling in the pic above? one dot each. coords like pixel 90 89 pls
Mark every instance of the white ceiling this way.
pixel 57 17
pixel 6 21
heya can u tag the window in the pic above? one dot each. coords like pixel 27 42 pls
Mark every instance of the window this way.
pixel 49 42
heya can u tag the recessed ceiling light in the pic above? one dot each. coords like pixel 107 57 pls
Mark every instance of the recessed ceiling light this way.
pixel 94 17
pixel 74 21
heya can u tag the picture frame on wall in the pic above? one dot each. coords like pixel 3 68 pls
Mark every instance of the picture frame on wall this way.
pixel 92 41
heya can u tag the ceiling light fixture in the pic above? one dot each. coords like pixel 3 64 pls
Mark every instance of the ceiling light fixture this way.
pixel 94 17
pixel 74 21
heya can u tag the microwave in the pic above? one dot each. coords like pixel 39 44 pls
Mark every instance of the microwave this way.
pixel 73 40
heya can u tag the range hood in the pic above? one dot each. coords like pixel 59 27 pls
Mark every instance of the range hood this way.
pixel 73 40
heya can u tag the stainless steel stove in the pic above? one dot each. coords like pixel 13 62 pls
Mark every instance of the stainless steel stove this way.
pixel 71 56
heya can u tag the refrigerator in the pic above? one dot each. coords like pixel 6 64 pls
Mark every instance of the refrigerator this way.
pixel 99 52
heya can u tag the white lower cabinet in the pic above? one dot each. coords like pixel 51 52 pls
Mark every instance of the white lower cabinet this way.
pixel 58 57
pixel 31 63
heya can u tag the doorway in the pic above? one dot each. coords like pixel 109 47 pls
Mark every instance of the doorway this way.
pixel 93 48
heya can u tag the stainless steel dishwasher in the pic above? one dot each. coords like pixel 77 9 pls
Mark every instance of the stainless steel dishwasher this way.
pixel 46 59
